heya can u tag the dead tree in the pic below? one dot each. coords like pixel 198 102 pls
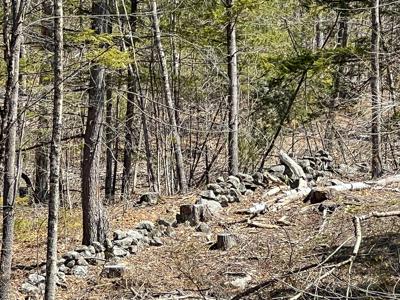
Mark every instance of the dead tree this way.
pixel 375 81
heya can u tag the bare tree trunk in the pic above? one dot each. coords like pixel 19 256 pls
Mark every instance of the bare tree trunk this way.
pixel 109 142
pixel 55 154
pixel 376 163
pixel 233 97
pixel 170 103
pixel 95 223
pixel 12 31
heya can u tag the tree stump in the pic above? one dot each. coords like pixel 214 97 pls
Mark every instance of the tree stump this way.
pixel 225 241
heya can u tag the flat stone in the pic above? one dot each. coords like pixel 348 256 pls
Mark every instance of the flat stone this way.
pixel 35 279
pixel 119 234
pixel 80 271
pixel 124 242
pixel 29 289
pixel 117 251
pixel 208 195
pixel 277 169
pixel 146 225
pixel 113 271
pixel 71 255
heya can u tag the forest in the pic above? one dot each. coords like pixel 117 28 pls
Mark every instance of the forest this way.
pixel 186 149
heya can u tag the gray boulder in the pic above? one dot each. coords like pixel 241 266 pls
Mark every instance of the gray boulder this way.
pixel 150 198
pixel 80 271
pixel 35 279
pixel 29 289
pixel 234 181
pixel 245 177
pixel 216 188
pixel 113 271
pixel 119 235
pixel 208 194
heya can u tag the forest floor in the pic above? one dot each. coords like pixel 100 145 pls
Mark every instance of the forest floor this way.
pixel 185 267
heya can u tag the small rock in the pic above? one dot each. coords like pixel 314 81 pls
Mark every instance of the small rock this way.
pixel 29 289
pixel 108 244
pixel 220 179
pixel 216 188
pixel 61 277
pixel 223 200
pixel 284 221
pixel 242 188
pixel 82 262
pixel 113 271
pixel 203 227
pixel 81 248
pixel 70 263
pixel 145 240
pixel 71 255
pixel 92 249
pixel 242 282
pixel 245 177
pixel 329 206
pixel 133 249
pixel 118 235
pixel 87 253
pixel 235 194
pixel 156 241
pixel 164 222
pixel 61 261
pixel 150 198
pixel 98 247
pixel 146 225
pixel 117 251
pixel 124 242
pixel 63 269
pixel 234 181
pixel 208 195
pixel 277 169
pixel 80 271
pixel 258 178
pixel 35 279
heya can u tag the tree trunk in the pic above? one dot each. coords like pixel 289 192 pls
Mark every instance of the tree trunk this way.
pixel 170 103
pixel 109 143
pixel 233 97
pixel 13 13
pixel 95 223
pixel 55 154
pixel 376 163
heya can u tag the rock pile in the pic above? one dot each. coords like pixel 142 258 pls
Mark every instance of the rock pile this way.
pixel 78 261
pixel 218 195
pixel 313 166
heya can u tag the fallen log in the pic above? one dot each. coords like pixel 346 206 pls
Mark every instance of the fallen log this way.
pixel 320 194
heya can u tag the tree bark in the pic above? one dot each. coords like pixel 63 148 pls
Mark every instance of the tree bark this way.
pixel 55 154
pixel 233 97
pixel 376 163
pixel 170 103
pixel 12 19
pixel 95 223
